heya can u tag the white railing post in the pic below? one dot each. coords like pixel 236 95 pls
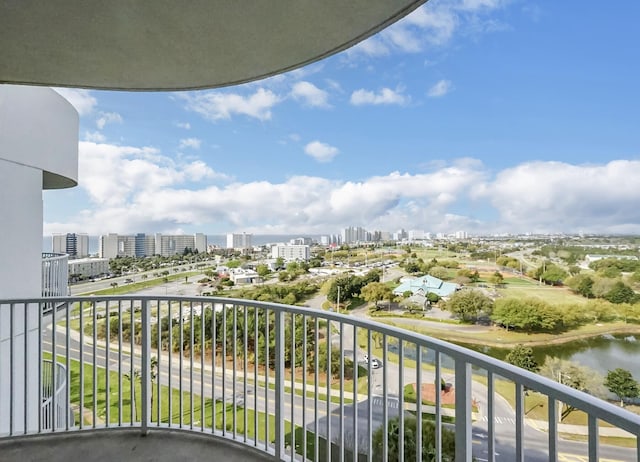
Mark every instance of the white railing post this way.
pixel 463 410
pixel 145 376
pixel 279 385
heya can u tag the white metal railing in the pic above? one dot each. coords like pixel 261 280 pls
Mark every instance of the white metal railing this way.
pixel 54 389
pixel 287 380
pixel 55 274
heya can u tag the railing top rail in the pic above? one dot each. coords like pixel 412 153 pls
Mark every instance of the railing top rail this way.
pixel 603 410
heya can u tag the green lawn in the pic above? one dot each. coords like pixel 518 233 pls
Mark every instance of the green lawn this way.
pixel 143 284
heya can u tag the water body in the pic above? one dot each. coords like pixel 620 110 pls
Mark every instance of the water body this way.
pixel 602 353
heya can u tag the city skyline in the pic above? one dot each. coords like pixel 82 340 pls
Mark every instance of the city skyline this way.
pixel 486 116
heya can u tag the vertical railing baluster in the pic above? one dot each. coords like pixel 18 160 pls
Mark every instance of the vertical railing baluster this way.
pixel 401 399
pixel 341 422
pixel 203 352
pixel 552 403
pixel 370 399
pixel 191 353
pixel 145 379
pixel 54 373
pixel 594 439
pixel 214 346
pixel 356 370
pixel 304 385
pixel 292 360
pixel 25 376
pixel 279 391
pixel 39 356
pixel 328 397
pixel 491 436
pixel 519 422
pixel 438 416
pixel 267 364
pixel 463 410
pixel 132 369
pixel 385 400
pixel 170 366
pixel 159 363
pixel 119 363
pixel 419 402
pixel 245 365
pixel 106 361
pixel 316 371
pixel 181 364
pixel 81 410
pixel 94 364
pixel 12 369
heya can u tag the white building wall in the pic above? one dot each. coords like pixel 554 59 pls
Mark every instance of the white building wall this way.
pixel 289 252
pixel 89 267
pixel 201 242
pixel 38 149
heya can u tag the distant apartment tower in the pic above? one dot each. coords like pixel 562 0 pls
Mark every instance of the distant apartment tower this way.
pixel 352 235
pixel 143 245
pixel 461 235
pixel 168 245
pixel 291 252
pixel 74 245
pixel 416 235
pixel 301 241
pixel 400 235
pixel 239 241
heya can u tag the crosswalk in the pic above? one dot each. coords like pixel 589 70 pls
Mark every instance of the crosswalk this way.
pixel 500 420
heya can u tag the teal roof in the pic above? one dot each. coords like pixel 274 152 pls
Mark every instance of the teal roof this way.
pixel 426 284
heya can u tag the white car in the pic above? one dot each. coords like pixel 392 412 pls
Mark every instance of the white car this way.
pixel 376 364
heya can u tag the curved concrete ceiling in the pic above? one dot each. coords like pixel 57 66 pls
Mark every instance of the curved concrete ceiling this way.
pixel 169 45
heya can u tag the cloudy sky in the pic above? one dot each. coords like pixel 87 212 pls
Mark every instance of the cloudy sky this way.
pixel 477 115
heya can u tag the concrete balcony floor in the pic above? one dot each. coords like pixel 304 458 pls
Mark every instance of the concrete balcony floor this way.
pixel 111 445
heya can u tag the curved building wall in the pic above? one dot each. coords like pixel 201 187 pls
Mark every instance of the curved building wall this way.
pixel 38 149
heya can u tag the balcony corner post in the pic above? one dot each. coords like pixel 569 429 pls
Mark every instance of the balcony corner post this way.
pixel 145 375
pixel 279 385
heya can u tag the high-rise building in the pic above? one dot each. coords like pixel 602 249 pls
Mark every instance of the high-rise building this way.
pixel 143 245
pixel 352 235
pixel 239 241
pixel 74 245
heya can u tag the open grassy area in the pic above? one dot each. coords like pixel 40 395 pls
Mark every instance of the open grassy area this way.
pixel 143 284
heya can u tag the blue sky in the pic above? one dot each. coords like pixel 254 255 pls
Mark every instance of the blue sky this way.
pixel 487 116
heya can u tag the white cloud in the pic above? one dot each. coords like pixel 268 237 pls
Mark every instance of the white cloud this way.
pixel 185 125
pixel 432 25
pixel 440 88
pixel 193 143
pixel 108 118
pixel 95 137
pixel 322 152
pixel 215 105
pixel 309 94
pixel 82 100
pixel 385 96
pixel 556 196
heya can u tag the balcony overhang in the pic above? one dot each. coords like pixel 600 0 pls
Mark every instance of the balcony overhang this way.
pixel 168 45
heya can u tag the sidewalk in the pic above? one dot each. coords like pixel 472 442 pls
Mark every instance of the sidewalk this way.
pixel 543 426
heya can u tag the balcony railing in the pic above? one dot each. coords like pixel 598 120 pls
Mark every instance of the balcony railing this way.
pixel 54 393
pixel 55 274
pixel 286 380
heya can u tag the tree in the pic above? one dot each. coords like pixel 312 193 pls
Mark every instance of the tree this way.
pixel 527 314
pixel 621 293
pixel 469 304
pixel 262 270
pixel 522 356
pixel 439 272
pixel 409 442
pixel 376 292
pixel 496 278
pixel 621 383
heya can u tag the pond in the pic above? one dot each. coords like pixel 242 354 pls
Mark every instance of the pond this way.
pixel 602 353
